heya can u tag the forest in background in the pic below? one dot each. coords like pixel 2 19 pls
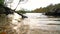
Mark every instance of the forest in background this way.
pixel 46 9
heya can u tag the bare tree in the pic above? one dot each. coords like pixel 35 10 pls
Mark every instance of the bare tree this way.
pixel 8 2
pixel 21 1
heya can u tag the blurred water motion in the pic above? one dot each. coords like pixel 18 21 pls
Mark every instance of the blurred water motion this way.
pixel 42 24
pixel 12 24
pixel 36 23
pixel 40 21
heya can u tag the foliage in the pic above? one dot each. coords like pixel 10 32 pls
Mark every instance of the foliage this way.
pixel 21 11
pixel 1 1
pixel 46 9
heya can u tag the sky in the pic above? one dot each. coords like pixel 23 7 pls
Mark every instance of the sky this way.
pixel 33 4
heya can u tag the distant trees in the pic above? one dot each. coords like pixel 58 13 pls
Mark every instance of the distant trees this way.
pixel 47 9
pixel 50 7
pixel 21 11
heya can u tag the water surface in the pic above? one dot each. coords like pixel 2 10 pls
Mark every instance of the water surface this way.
pixel 40 21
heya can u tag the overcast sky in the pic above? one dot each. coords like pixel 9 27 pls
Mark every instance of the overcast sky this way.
pixel 33 4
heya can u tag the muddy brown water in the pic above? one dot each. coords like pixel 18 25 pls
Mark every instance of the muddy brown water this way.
pixel 36 23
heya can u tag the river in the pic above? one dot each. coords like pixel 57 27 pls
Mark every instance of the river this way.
pixel 36 23
pixel 40 21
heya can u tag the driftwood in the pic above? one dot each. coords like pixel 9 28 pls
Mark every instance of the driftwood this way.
pixel 9 11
